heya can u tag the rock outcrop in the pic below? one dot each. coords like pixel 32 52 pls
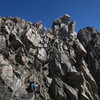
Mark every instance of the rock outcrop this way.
pixel 90 39
pixel 54 59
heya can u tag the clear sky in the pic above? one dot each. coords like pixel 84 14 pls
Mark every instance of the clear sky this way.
pixel 84 12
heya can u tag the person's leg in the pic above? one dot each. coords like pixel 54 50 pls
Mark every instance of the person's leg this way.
pixel 34 95
pixel 28 96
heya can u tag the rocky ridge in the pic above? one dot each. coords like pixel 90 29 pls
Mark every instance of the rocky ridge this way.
pixel 90 39
pixel 54 59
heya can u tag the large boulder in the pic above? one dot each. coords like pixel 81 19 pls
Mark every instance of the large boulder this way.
pixel 90 39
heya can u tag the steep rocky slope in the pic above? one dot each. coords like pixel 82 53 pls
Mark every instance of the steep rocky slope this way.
pixel 53 59
pixel 90 38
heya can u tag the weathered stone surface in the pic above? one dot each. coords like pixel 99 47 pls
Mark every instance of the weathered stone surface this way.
pixel 65 19
pixel 21 59
pixel 10 78
pixel 2 41
pixel 71 91
pixel 79 49
pixel 71 27
pixel 54 59
pixel 42 55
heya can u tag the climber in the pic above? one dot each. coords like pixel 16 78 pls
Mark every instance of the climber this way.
pixel 31 89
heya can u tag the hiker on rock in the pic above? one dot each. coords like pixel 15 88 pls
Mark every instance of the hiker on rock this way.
pixel 31 90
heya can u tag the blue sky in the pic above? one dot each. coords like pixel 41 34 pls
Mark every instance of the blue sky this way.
pixel 84 12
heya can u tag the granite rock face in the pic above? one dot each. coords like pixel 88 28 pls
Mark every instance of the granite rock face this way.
pixel 90 39
pixel 54 59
